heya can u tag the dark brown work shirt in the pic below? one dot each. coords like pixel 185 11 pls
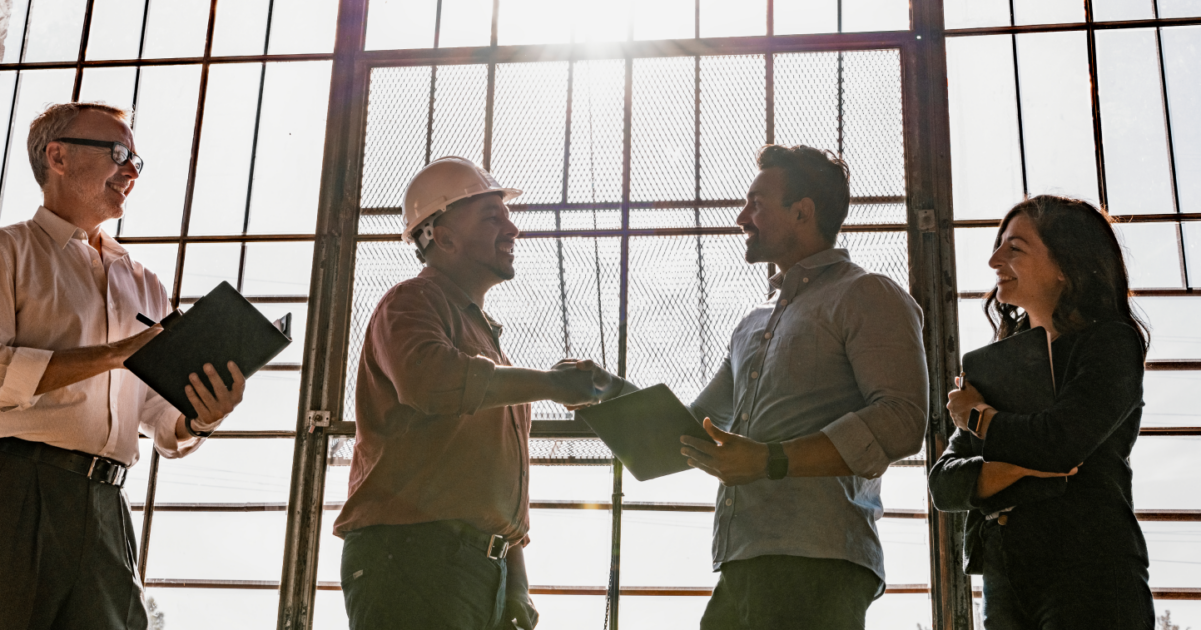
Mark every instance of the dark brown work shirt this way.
pixel 425 451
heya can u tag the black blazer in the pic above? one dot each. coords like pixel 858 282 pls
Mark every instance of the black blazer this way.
pixel 1095 420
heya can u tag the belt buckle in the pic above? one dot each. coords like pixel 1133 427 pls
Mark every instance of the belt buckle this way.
pixel 113 476
pixel 492 544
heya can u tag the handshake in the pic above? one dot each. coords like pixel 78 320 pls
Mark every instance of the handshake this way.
pixel 580 383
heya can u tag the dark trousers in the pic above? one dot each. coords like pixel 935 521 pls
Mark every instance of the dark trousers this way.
pixel 776 592
pixel 67 554
pixel 422 576
pixel 1098 594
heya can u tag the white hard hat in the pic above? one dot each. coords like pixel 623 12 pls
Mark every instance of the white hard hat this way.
pixel 441 183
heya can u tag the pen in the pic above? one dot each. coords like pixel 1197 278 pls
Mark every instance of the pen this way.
pixel 145 320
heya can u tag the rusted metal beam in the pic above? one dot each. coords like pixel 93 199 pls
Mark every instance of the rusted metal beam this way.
pixel 1074 26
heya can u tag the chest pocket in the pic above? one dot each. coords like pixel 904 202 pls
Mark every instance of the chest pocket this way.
pixel 798 355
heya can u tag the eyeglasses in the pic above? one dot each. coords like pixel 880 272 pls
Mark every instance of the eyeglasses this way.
pixel 119 152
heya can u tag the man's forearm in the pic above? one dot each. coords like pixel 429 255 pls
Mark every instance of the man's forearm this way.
pixel 815 456
pixel 516 386
pixel 67 367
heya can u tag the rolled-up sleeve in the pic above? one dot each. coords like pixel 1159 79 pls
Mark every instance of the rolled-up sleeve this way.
pixel 883 334
pixel 416 354
pixel 21 371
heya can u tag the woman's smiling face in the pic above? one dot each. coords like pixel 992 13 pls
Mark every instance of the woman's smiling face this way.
pixel 1027 276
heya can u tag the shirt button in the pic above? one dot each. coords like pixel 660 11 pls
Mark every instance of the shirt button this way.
pixel 95 263
pixel 767 335
pixel 804 279
pixel 729 502
pixel 746 416
pixel 783 302
pixel 754 375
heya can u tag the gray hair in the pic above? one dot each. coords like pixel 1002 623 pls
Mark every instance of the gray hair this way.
pixel 51 123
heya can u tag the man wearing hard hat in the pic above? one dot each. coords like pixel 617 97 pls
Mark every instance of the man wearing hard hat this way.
pixel 438 508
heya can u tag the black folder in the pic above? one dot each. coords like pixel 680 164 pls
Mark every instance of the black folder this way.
pixel 220 327
pixel 643 430
pixel 1015 375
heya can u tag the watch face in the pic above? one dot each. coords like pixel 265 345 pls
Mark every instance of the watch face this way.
pixel 973 420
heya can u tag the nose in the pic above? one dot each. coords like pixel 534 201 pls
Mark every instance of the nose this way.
pixel 509 228
pixel 744 217
pixel 994 261
pixel 129 169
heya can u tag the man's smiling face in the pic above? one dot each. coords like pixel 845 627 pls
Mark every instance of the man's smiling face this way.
pixel 484 234
pixel 93 180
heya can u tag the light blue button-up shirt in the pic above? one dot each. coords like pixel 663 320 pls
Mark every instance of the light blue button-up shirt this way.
pixel 837 350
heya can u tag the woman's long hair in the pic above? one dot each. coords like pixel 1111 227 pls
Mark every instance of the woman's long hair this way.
pixel 1081 240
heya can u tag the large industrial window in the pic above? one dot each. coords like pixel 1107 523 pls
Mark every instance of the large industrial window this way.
pixel 632 127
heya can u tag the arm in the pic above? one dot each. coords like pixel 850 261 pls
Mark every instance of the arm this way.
pixel 1097 397
pixel 67 367
pixel 519 609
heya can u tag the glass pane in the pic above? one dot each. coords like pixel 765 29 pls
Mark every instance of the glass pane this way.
pixel 1175 551
pixel 807 98
pixel 393 24
pixel 270 401
pixel 904 488
pixel 1179 8
pixel 277 268
pixel 1181 47
pixel 654 613
pixel 1185 614
pixel 1162 466
pixel 116 29
pixel 217 545
pixel 226 143
pixel 163 129
pixel 572 483
pixel 1132 123
pixel 287 166
pixel 527 145
pixel 906 550
pixel 303 26
pixel 54 30
pixel 874 15
pixel 908 610
pixel 208 264
pixel 664 19
pixel 663 130
pixel 176 28
pixel 14 35
pixel 460 102
pixel 241 28
pixel 733 101
pixel 721 18
pixel 986 157
pixel 294 353
pixel 111 85
pixel 197 609
pixel 329 608
pixel 1057 114
pixel 667 549
pixel 1152 255
pixel 37 89
pixel 581 535
pixel 1112 10
pixel 159 259
pixel 228 471
pixel 597 113
pixel 465 23
pixel 815 16
pixel 1047 11
pixel 975 13
pixel 973 248
pixel 533 22
pixel 1192 251
pixel 397 122
pixel 690 486
pixel 974 329
pixel 1174 330
pixel 1170 397
pixel 600 22
pixel 8 92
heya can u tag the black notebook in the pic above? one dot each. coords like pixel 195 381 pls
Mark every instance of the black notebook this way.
pixel 643 430
pixel 220 327
pixel 1015 375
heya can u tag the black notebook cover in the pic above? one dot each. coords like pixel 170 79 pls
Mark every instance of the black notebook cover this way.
pixel 1015 375
pixel 220 327
pixel 643 430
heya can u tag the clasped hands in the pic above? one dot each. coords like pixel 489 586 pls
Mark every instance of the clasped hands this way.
pixel 582 383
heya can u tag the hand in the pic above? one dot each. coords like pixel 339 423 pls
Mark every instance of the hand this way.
pixel 996 476
pixel 734 460
pixel 574 382
pixel 125 348
pixel 213 406
pixel 605 383
pixel 520 613
pixel 960 402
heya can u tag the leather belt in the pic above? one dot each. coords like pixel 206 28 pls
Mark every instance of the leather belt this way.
pixel 94 467
pixel 493 545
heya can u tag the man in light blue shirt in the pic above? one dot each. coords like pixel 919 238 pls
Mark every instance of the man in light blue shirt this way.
pixel 823 387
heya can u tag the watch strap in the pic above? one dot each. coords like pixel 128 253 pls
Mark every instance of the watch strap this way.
pixel 187 425
pixel 777 461
pixel 973 421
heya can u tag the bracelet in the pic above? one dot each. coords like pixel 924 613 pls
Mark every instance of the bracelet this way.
pixel 187 425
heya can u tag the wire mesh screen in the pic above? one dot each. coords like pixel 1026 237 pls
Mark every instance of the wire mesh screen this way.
pixel 397 120
pixel 733 123
pixel 663 130
pixel 543 451
pixel 530 127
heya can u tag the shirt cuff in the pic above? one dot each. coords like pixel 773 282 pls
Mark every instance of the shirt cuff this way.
pixel 167 443
pixel 479 374
pixel 22 377
pixel 858 446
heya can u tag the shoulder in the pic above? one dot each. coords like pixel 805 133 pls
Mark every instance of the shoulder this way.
pixel 1112 337
pixel 866 290
pixel 13 235
pixel 414 293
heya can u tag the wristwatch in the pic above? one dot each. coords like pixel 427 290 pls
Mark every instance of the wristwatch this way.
pixel 777 461
pixel 973 421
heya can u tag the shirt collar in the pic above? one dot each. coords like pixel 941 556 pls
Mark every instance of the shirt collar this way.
pixel 823 258
pixel 62 232
pixel 457 296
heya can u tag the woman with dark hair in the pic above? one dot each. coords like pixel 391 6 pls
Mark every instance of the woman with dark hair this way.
pixel 1056 555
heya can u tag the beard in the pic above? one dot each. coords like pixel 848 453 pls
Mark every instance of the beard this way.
pixel 100 201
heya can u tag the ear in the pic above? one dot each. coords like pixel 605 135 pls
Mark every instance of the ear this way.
pixel 803 210
pixel 56 157
pixel 444 238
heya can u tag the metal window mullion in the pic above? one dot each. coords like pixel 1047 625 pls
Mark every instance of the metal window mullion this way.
pixel 490 97
pixel 254 146
pixel 83 48
pixel 1017 97
pixel 137 84
pixel 702 294
pixel 1171 147
pixel 1095 95
pixel 559 215
pixel 25 30
pixel 8 137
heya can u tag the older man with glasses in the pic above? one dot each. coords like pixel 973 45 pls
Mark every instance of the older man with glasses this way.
pixel 69 414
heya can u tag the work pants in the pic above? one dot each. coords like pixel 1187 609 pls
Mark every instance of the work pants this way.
pixel 68 558
pixel 402 577
pixel 1023 594
pixel 778 592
